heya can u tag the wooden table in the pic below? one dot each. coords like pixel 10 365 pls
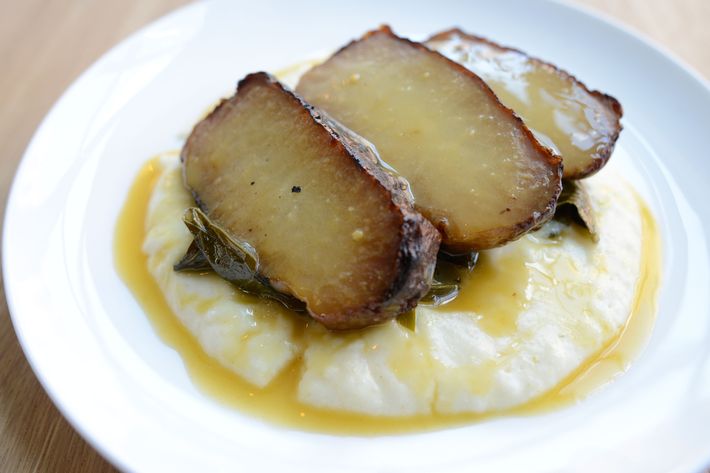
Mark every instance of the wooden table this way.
pixel 44 45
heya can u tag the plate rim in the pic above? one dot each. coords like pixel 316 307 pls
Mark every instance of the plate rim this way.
pixel 13 311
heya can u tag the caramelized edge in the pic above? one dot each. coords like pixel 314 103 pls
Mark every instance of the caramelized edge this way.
pixel 418 239
pixel 605 99
pixel 500 235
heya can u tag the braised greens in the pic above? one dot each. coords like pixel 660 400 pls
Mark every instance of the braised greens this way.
pixel 235 261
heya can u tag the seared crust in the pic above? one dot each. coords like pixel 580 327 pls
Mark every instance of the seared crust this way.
pixel 604 153
pixel 501 235
pixel 418 239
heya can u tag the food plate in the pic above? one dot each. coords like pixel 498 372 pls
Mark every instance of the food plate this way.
pixel 129 394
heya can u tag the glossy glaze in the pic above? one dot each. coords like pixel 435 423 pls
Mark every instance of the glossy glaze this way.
pixel 580 125
pixel 277 403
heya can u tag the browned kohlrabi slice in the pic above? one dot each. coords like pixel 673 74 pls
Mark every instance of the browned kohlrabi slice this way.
pixel 580 124
pixel 330 225
pixel 475 170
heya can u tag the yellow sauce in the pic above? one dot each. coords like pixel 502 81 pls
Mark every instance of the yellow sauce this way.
pixel 481 293
pixel 580 126
pixel 278 404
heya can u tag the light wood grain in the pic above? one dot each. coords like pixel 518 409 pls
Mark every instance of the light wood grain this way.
pixel 680 26
pixel 44 45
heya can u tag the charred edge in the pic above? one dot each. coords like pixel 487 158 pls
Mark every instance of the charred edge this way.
pixel 550 158
pixel 418 245
pixel 602 97
pixel 501 236
pixel 417 255
pixel 342 137
pixel 604 154
pixel 553 160
pixel 610 100
pixel 415 246
pixel 419 241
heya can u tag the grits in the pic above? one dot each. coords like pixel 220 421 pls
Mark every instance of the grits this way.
pixel 529 315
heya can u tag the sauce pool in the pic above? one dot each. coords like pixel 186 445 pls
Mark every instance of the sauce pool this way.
pixel 278 403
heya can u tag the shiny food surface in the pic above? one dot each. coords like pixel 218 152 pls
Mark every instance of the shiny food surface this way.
pixel 475 171
pixel 469 352
pixel 34 436
pixel 263 169
pixel 582 126
pixel 252 336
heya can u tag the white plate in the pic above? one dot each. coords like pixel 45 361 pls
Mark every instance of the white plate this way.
pixel 128 393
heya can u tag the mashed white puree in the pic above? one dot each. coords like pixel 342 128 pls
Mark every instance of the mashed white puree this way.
pixel 575 296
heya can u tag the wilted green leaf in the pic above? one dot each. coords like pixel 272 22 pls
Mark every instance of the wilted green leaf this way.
pixel 450 270
pixel 193 260
pixel 233 260
pixel 408 320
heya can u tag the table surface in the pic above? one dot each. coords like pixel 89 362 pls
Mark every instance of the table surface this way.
pixel 44 47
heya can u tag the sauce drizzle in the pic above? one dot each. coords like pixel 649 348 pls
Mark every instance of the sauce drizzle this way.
pixel 277 403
